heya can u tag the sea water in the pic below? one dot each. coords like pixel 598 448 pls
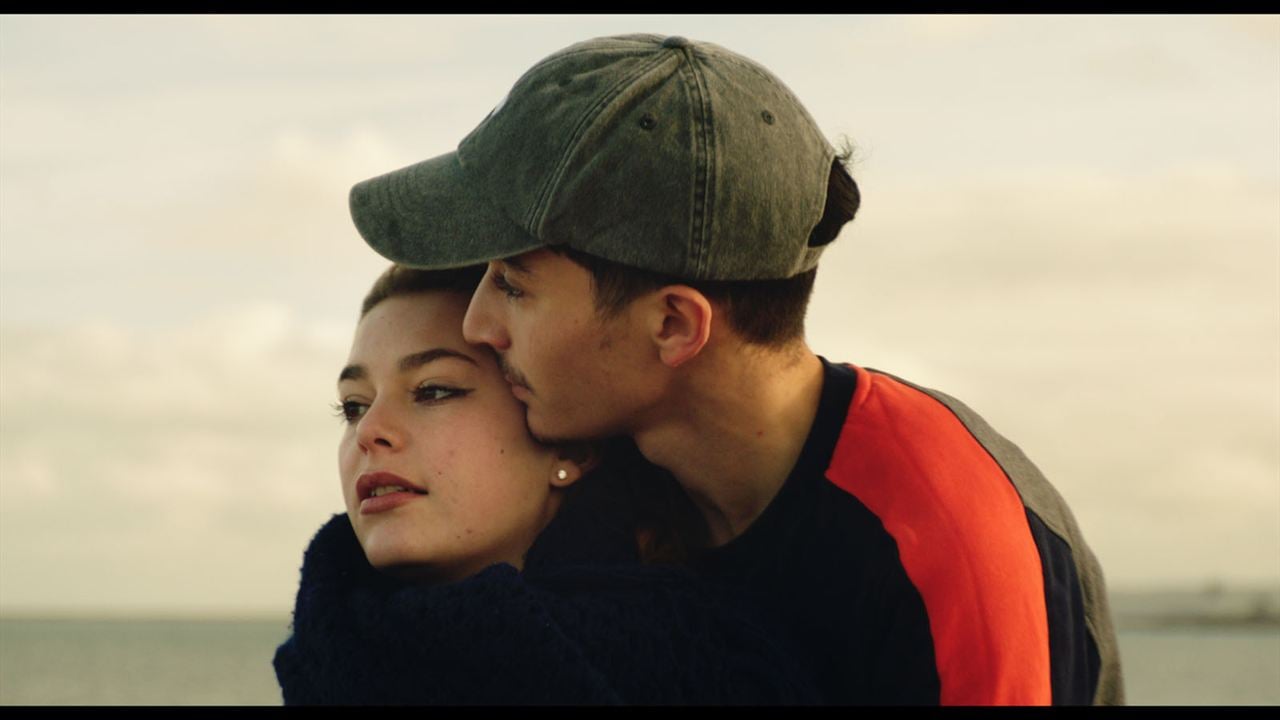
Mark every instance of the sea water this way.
pixel 222 662
pixel 139 662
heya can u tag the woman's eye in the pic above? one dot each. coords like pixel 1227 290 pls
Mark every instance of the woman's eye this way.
pixel 436 393
pixel 500 282
pixel 350 410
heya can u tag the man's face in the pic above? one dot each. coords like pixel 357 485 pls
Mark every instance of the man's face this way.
pixel 580 375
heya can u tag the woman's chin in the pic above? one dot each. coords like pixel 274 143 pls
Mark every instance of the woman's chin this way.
pixel 398 563
pixel 386 549
pixel 405 563
pixel 407 553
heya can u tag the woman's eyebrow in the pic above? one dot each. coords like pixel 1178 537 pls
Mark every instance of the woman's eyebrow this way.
pixel 416 360
pixel 407 363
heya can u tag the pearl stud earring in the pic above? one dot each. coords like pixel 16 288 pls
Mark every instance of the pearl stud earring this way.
pixel 562 474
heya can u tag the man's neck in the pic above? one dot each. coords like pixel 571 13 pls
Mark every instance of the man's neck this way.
pixel 734 429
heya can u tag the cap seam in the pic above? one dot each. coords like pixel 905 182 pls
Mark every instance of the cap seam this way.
pixel 703 173
pixel 695 210
pixel 539 209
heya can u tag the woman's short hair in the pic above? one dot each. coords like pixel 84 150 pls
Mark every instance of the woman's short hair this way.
pixel 402 280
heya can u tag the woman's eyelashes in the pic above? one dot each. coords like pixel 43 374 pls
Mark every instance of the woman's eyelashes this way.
pixel 427 394
pixel 430 393
pixel 349 410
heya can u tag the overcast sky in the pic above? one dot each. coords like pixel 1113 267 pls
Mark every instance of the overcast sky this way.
pixel 1070 223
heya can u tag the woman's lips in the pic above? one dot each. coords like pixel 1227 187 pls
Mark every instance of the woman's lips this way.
pixel 369 482
pixel 390 501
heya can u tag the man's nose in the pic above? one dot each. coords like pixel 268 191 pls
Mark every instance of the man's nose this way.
pixel 484 322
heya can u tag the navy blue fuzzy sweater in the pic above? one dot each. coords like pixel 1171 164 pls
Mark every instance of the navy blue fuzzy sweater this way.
pixel 584 624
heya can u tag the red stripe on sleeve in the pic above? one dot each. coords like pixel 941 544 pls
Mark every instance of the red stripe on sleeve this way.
pixel 962 536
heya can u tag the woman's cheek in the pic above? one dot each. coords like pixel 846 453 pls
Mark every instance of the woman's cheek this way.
pixel 346 460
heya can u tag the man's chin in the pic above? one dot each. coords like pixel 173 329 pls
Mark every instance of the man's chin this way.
pixel 555 436
pixel 552 438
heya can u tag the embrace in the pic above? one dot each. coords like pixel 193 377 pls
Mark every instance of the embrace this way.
pixel 589 457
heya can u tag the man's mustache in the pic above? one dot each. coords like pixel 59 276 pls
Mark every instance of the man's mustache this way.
pixel 513 376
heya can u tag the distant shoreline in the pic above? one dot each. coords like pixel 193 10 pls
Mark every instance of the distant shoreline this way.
pixel 128 616
pixel 1210 606
pixel 1157 622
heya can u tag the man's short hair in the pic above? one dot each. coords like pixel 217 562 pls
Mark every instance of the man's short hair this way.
pixel 762 312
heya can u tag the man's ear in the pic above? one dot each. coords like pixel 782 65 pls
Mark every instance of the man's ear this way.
pixel 682 324
pixel 574 460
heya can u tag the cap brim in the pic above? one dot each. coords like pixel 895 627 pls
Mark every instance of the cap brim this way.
pixel 427 215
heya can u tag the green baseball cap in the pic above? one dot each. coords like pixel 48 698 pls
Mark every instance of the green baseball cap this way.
pixel 665 154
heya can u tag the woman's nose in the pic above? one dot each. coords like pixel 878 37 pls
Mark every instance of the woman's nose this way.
pixel 379 428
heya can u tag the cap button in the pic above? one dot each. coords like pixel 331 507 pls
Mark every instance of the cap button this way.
pixel 675 41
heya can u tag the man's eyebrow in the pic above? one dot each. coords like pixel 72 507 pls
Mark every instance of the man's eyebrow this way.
pixel 408 362
pixel 519 265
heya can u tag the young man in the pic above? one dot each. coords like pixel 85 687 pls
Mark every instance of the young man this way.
pixel 652 211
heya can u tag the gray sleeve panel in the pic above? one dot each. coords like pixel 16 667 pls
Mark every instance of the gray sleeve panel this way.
pixel 1044 500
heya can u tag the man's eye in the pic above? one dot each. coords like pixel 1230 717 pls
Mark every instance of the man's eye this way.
pixel 350 410
pixel 500 282
pixel 436 393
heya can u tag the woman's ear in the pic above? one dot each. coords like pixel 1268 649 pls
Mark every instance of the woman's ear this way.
pixel 573 461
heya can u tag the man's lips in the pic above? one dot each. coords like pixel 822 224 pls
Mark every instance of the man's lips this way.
pixel 519 391
pixel 369 482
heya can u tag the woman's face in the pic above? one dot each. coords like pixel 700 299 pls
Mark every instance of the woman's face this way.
pixel 440 476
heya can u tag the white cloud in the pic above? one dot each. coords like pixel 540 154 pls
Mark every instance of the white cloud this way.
pixel 1086 255
pixel 199 441
pixel 1262 29
pixel 935 29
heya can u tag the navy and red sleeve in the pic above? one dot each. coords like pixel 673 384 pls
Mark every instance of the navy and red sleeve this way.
pixel 963 538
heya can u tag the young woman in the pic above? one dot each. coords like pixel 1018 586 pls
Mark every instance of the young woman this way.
pixel 476 565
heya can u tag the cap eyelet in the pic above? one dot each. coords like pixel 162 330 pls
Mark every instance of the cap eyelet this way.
pixel 647 122
pixel 768 116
